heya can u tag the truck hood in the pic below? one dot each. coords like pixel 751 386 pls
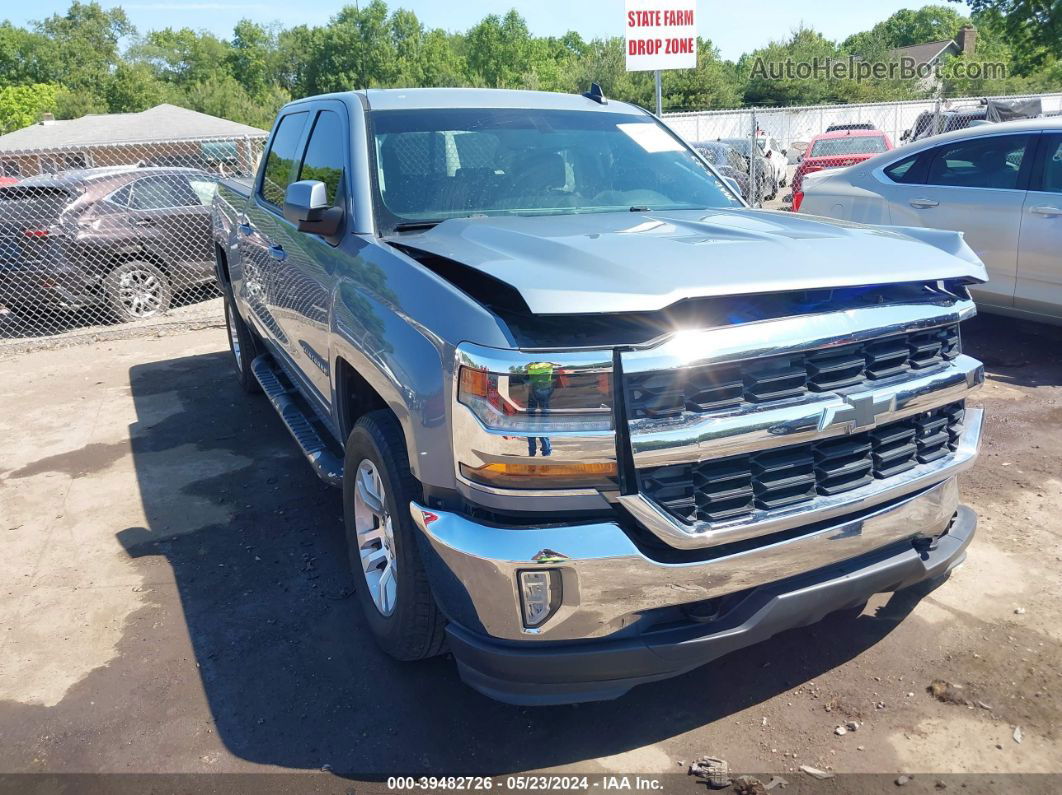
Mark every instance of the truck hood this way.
pixel 632 262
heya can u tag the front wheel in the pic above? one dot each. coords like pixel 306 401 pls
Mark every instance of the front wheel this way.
pixel 391 583
pixel 137 290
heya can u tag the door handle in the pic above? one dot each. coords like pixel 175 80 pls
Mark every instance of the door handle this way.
pixel 278 253
pixel 1047 210
pixel 144 222
pixel 923 204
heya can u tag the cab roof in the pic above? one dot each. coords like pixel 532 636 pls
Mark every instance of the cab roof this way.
pixel 430 98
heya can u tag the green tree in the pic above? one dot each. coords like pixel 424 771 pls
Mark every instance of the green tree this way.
pixel 355 50
pixel 250 55
pixel 1033 27
pixel 134 87
pixel 21 106
pixel 499 51
pixel 86 41
pixel 772 82
pixel 907 27
pixel 26 56
pixel 224 96
pixel 182 57
pixel 710 85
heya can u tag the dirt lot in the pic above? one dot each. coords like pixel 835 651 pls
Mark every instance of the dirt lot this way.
pixel 174 597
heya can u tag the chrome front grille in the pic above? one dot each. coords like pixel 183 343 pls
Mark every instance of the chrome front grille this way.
pixel 742 431
pixel 725 489
pixel 669 393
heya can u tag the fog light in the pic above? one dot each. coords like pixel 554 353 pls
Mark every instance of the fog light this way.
pixel 540 593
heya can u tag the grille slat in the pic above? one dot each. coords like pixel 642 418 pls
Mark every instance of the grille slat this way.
pixel 729 488
pixel 670 393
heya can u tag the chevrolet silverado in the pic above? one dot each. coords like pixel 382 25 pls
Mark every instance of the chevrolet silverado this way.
pixel 595 421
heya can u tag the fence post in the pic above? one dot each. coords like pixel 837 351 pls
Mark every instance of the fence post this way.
pixel 753 183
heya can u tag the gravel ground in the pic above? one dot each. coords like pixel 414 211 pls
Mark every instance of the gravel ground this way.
pixel 174 597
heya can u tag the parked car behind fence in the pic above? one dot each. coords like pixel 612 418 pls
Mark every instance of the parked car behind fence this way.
pixel 728 162
pixel 766 180
pixel 125 240
pixel 838 149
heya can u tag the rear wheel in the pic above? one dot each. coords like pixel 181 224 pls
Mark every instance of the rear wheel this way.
pixel 137 290
pixel 243 345
pixel 391 583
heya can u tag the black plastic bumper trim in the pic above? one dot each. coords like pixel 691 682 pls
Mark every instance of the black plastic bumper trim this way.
pixel 533 674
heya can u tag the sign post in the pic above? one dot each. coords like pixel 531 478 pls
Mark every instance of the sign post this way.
pixel 661 34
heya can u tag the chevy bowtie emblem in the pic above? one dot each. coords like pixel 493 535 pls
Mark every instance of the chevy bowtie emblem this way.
pixel 862 410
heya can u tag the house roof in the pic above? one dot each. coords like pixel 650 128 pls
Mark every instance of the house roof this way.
pixel 160 123
pixel 924 53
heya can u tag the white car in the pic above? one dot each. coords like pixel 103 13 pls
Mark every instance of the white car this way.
pixel 776 155
pixel 1000 184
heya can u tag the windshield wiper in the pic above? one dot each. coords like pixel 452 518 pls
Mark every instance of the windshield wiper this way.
pixel 410 226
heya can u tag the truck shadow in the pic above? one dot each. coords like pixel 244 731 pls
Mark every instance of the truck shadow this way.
pixel 1018 352
pixel 289 670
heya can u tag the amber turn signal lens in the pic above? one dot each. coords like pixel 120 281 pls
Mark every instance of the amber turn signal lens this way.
pixel 523 475
pixel 474 382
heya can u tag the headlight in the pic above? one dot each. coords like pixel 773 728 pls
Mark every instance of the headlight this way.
pixel 526 420
pixel 544 397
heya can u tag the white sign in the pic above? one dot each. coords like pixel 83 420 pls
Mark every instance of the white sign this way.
pixel 661 34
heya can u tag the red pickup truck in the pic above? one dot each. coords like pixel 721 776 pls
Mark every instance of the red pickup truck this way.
pixel 837 149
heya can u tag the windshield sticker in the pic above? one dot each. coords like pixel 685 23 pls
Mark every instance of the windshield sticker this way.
pixel 650 138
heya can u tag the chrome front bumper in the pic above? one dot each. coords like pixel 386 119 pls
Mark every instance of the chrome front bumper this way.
pixel 608 584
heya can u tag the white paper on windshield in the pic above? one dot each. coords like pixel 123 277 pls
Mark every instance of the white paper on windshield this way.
pixel 650 138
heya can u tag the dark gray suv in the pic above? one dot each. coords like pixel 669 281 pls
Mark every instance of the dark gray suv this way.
pixel 123 238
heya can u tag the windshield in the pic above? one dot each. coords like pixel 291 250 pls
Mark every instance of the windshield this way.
pixel 447 163
pixel 849 145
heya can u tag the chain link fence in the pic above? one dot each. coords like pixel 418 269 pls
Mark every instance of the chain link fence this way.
pixel 98 237
pixel 111 234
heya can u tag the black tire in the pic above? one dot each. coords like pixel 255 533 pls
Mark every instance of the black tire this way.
pixel 137 290
pixel 243 345
pixel 414 628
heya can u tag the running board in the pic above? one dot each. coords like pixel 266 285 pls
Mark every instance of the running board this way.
pixel 327 465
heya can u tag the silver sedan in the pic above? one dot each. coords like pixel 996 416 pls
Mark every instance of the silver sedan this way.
pixel 1000 184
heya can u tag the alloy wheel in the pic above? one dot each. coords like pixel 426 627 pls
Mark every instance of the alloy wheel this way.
pixel 375 537
pixel 140 293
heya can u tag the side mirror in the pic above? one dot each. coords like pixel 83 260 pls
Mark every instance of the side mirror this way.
pixel 306 205
pixel 800 158
pixel 785 153
pixel 733 185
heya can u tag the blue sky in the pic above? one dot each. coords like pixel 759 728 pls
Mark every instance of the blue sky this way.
pixel 754 24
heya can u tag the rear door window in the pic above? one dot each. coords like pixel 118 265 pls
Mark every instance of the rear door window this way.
pixel 280 163
pixel 204 189
pixel 988 162
pixel 162 192
pixel 909 171
pixel 1050 171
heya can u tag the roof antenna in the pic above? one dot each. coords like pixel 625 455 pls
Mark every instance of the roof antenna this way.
pixel 596 94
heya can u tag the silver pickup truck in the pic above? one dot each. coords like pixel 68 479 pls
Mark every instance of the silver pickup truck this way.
pixel 595 421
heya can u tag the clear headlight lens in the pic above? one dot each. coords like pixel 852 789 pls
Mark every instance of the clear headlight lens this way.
pixel 543 398
pixel 535 421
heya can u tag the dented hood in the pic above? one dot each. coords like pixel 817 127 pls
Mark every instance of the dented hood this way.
pixel 628 262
